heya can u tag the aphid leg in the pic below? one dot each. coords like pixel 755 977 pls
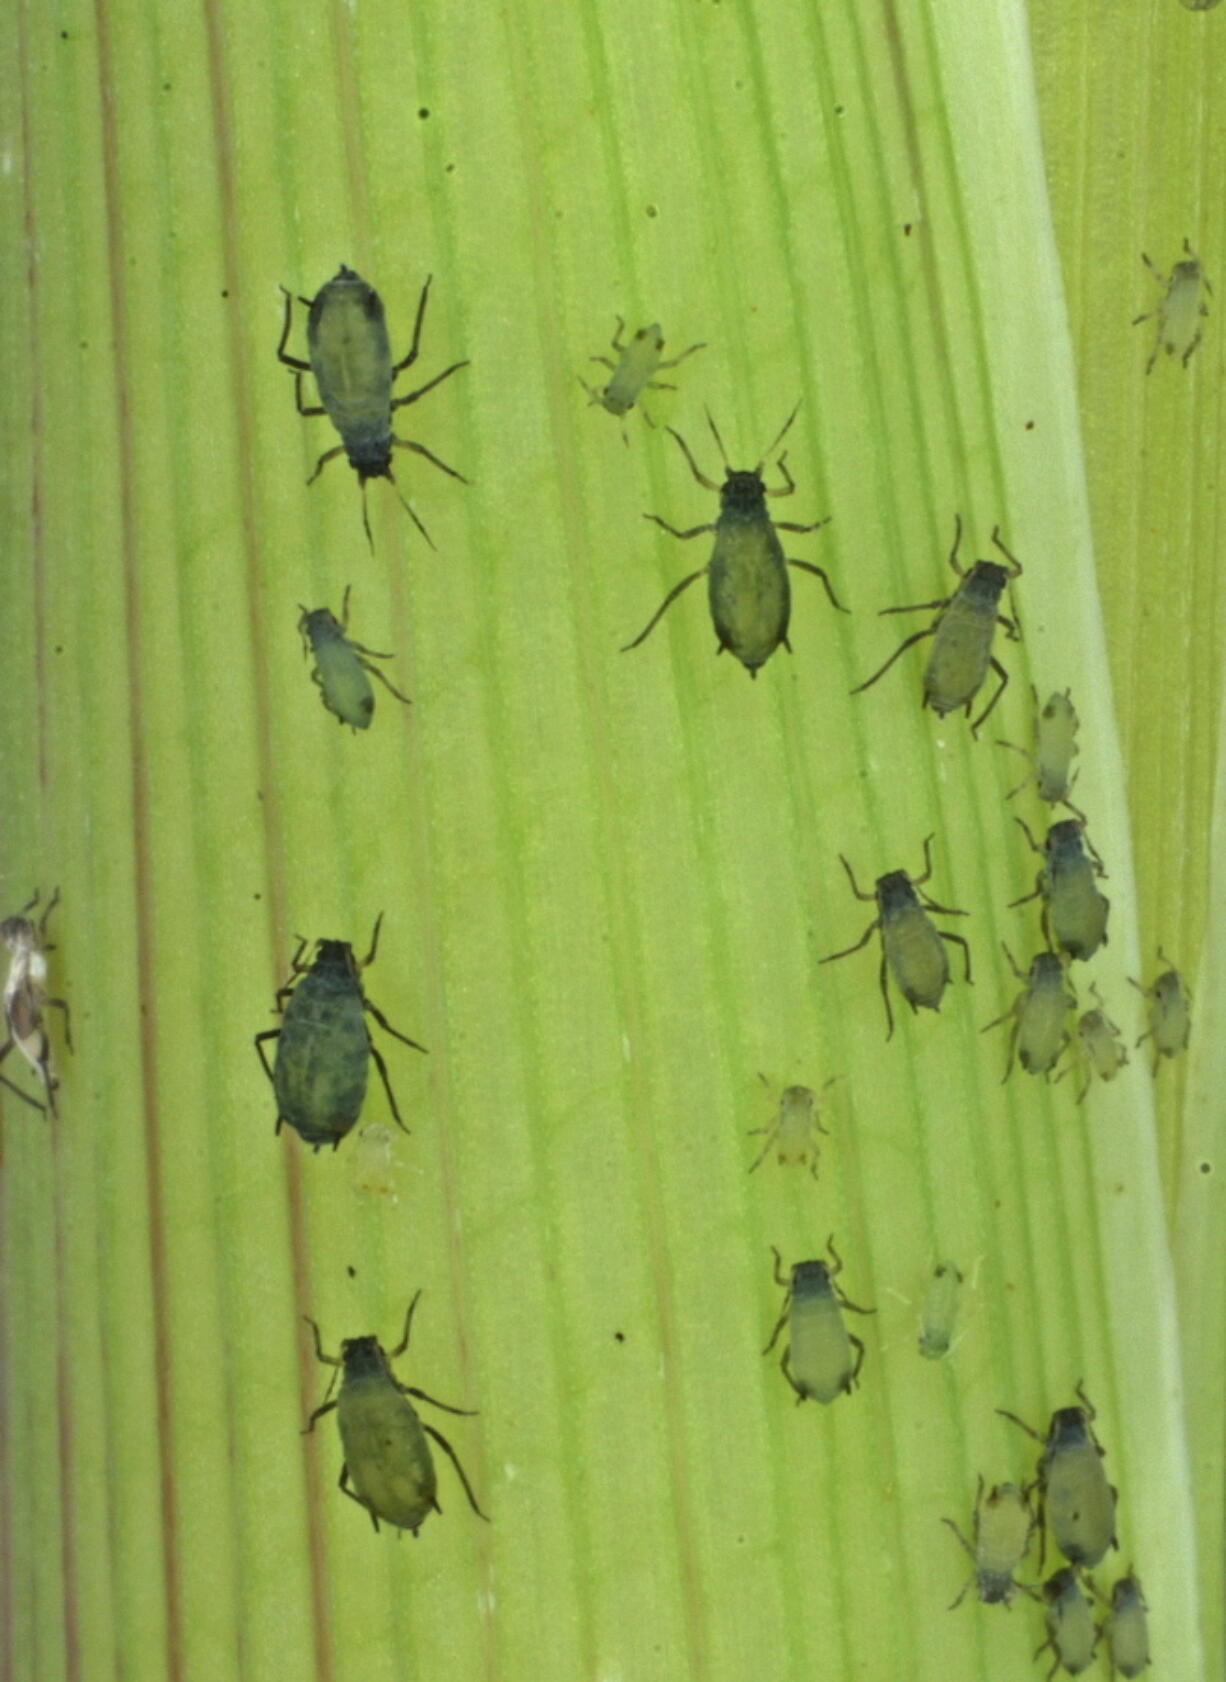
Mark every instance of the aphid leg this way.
pixel 290 361
pixel 1003 675
pixel 421 450
pixel 328 455
pixel 786 489
pixel 670 598
pixel 860 944
pixel 1013 1034
pixel 807 566
pixel 25 1097
pixel 328 1360
pixel 342 1484
pixel 387 1086
pixel 772 1131
pixel 885 994
pixel 617 338
pixel 1184 359
pixel 602 359
pixel 900 650
pixel 393 1354
pixel 412 396
pixel 268 1034
pixel 387 1027
pixel 956 939
pixel 305 408
pixel 673 361
pixel 767 453
pixel 62 1004
pixel 708 484
pixel 858 1346
pixel 785 1367
pixel 914 607
pixel 451 1454
pixel 444 1407
pixel 1005 1414
pixel 1026 898
pixel 375 672
pixel 408 360
pixel 694 531
pixel 855 889
pixel 953 553
pixel 791 525
pixel 1007 553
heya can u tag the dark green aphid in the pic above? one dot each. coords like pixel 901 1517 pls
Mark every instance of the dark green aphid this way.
pixel 25 999
pixel 341 665
pixel 1128 1628
pixel 1074 1493
pixel 1002 1530
pixel 1074 912
pixel 1040 1015
pixel 747 580
pixel 634 371
pixel 351 359
pixel 964 631
pixel 1181 308
pixel 1169 1014
pixel 817 1360
pixel 1071 1632
pixel 1055 748
pixel 911 948
pixel 324 1047
pixel 388 1467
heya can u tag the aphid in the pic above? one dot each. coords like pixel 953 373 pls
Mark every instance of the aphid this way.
pixel 939 1312
pixel 1039 1013
pixel 964 630
pixel 1200 5
pixel 1073 1487
pixel 388 1467
pixel 341 666
pixel 1100 1051
pixel 794 1130
pixel 323 1044
pixel 1128 1628
pixel 25 999
pixel 1181 308
pixel 817 1360
pixel 1071 1632
pixel 351 359
pixel 911 947
pixel 1169 1017
pixel 633 372
pixel 1054 750
pixel 1074 912
pixel 747 581
pixel 1002 1530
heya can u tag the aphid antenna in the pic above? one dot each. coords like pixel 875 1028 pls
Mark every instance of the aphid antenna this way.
pixel 781 435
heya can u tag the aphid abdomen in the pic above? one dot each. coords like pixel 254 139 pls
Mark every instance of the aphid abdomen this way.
pixel 323 1058
pixel 1078 912
pixel 346 688
pixel 386 1453
pixel 916 955
pixel 748 590
pixel 819 1358
pixel 1079 1501
pixel 351 359
pixel 961 651
pixel 1042 1034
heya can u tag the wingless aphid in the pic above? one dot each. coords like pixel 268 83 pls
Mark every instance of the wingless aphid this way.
pixel 1073 1490
pixel 939 1312
pixel 1003 1526
pixel 1071 1632
pixel 911 948
pixel 793 1133
pixel 964 631
pixel 341 666
pixel 25 999
pixel 1128 1628
pixel 1181 309
pixel 1040 1015
pixel 324 1047
pixel 634 371
pixel 817 1360
pixel 747 580
pixel 1169 1013
pixel 1054 750
pixel 351 359
pixel 1100 1051
pixel 388 1467
pixel 1074 912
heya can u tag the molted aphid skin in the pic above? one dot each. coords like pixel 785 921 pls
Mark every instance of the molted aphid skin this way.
pixel 1074 1492
pixel 351 359
pixel 1169 1014
pixel 964 631
pixel 1040 1015
pixel 388 1466
pixel 1071 1632
pixel 939 1312
pixel 1100 1051
pixel 1074 912
pixel 324 1046
pixel 1003 1525
pixel 1054 751
pixel 634 371
pixel 817 1360
pixel 25 999
pixel 794 1130
pixel 1182 308
pixel 747 580
pixel 911 948
pixel 1128 1628
pixel 341 666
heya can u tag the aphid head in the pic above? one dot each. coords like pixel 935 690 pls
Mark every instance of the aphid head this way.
pixel 811 1279
pixel 1064 837
pixel 1061 706
pixel 335 955
pixel 317 624
pixel 1126 1593
pixel 1046 972
pixel 1061 1585
pixel 743 492
pixel 363 1356
pixel 984 584
pixel 1069 1426
pixel 895 893
pixel 19 934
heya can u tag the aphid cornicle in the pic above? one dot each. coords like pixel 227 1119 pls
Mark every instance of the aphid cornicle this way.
pixel 388 1467
pixel 25 999
pixel 793 1133
pixel 1127 1628
pixel 911 948
pixel 351 359
pixel 963 631
pixel 341 665
pixel 1180 309
pixel 940 1311
pixel 747 579
pixel 1169 1013
pixel 1074 912
pixel 1074 1493
pixel 1002 1529
pixel 634 371
pixel 1040 1016
pixel 324 1047
pixel 817 1360
pixel 1100 1051
pixel 1055 748
pixel 1071 1632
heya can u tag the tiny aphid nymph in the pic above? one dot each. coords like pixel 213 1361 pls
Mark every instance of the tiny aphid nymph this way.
pixel 1099 1049
pixel 388 1468
pixel 1002 1529
pixel 351 359
pixel 817 1359
pixel 25 999
pixel 1074 912
pixel 1127 1628
pixel 1074 1495
pixel 341 665
pixel 1181 308
pixel 1055 747
pixel 324 1047
pixel 634 372
pixel 1071 1631
pixel 963 632
pixel 793 1133
pixel 1039 1014
pixel 747 577
pixel 1169 1012
pixel 911 949
pixel 940 1311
